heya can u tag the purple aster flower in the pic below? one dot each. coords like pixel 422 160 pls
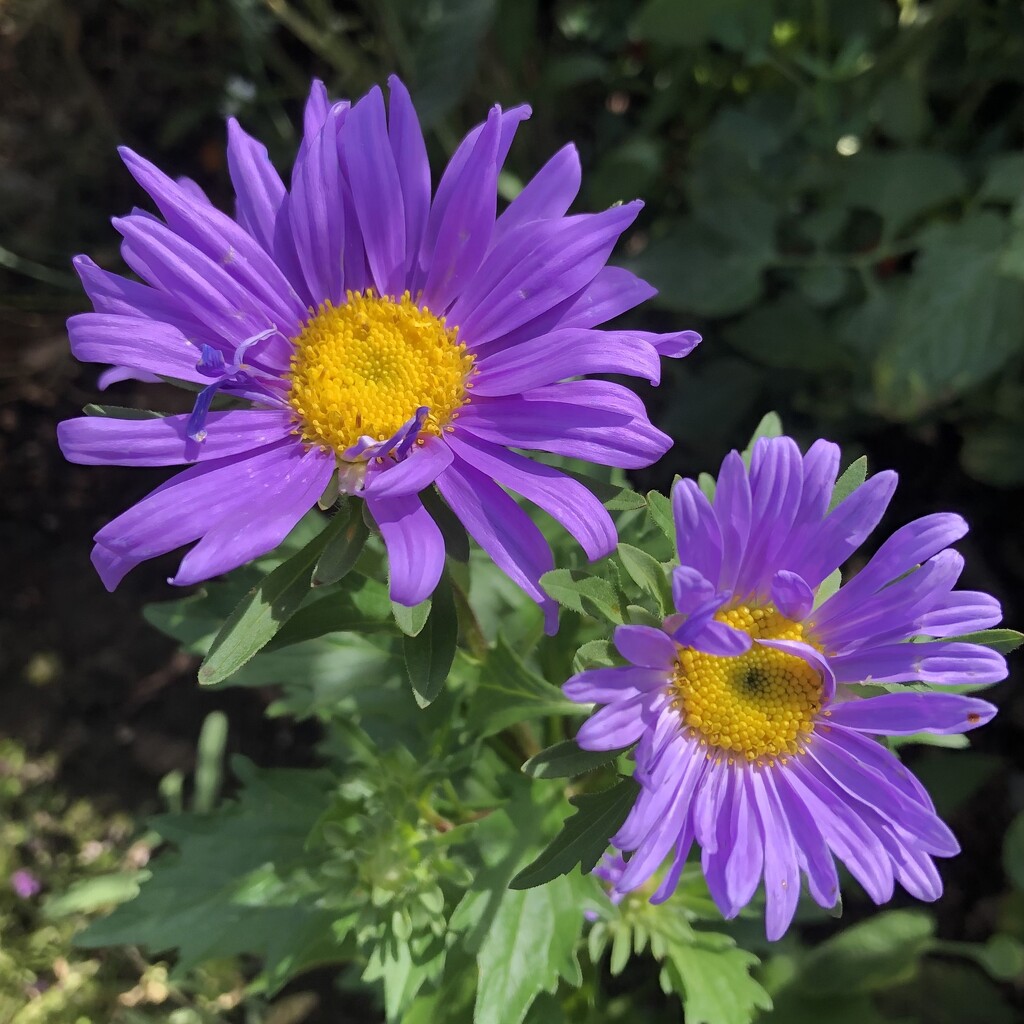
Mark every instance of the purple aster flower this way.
pixel 378 333
pixel 751 737
pixel 25 884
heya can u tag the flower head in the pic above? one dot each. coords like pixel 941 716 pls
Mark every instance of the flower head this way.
pixel 754 736
pixel 25 884
pixel 371 327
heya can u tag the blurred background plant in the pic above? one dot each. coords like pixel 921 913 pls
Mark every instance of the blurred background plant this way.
pixel 835 199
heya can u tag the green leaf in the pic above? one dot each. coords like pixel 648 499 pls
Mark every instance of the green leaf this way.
pixel 90 894
pixel 584 837
pixel 411 620
pixel 734 24
pixel 856 473
pixel 338 613
pixel 1013 852
pixel 530 945
pixel 828 586
pixel 264 610
pixel 787 335
pixel 583 593
pixel 1002 640
pixel 594 654
pixel 708 485
pixel 992 453
pixel 1004 182
pixel 769 426
pixel 120 412
pixel 648 574
pixel 823 286
pixel 217 895
pixel 660 509
pixel 343 549
pixel 565 760
pixel 713 979
pixel 509 692
pixel 872 955
pixel 429 654
pixel 956 322
pixel 697 271
pixel 900 186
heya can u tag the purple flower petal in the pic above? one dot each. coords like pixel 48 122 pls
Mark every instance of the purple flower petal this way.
pixel 617 725
pixel 698 535
pixel 719 639
pixel 414 543
pixel 376 191
pixel 776 484
pixel 646 646
pixel 582 419
pixel 569 255
pixel 282 477
pixel 136 343
pixel 745 859
pixel 562 354
pixel 419 469
pixel 872 789
pixel 608 685
pixel 900 714
pixel 546 196
pixel 812 849
pixel 936 662
pixel 963 611
pixel 459 230
pixel 317 218
pixel 781 871
pixel 690 589
pixel 502 529
pixel 843 530
pixel 259 191
pixel 410 153
pixel 791 595
pixel 163 441
pixel 221 239
pixel 908 547
pixel 732 510
pixel 562 497
pixel 844 829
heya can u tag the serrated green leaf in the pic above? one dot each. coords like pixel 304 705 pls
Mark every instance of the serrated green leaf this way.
pixel 874 954
pixel 828 586
pixel 263 611
pixel 855 474
pixel 430 653
pixel 594 654
pixel 221 865
pixel 509 692
pixel 769 426
pixel 1002 640
pixel 660 509
pixel 530 945
pixel 584 836
pixel 583 593
pixel 713 980
pixel 707 484
pixel 648 574
pixel 342 551
pixel 338 613
pixel 90 894
pixel 120 412
pixel 565 760
pixel 411 620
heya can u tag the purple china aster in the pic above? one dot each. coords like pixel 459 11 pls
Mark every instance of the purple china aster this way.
pixel 381 337
pixel 25 884
pixel 754 738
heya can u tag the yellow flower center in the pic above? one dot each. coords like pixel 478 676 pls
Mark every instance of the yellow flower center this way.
pixel 761 704
pixel 363 369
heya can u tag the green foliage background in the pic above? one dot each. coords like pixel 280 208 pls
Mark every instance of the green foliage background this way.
pixel 835 199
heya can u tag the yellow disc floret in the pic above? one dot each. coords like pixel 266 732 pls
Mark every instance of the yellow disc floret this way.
pixel 363 369
pixel 760 705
